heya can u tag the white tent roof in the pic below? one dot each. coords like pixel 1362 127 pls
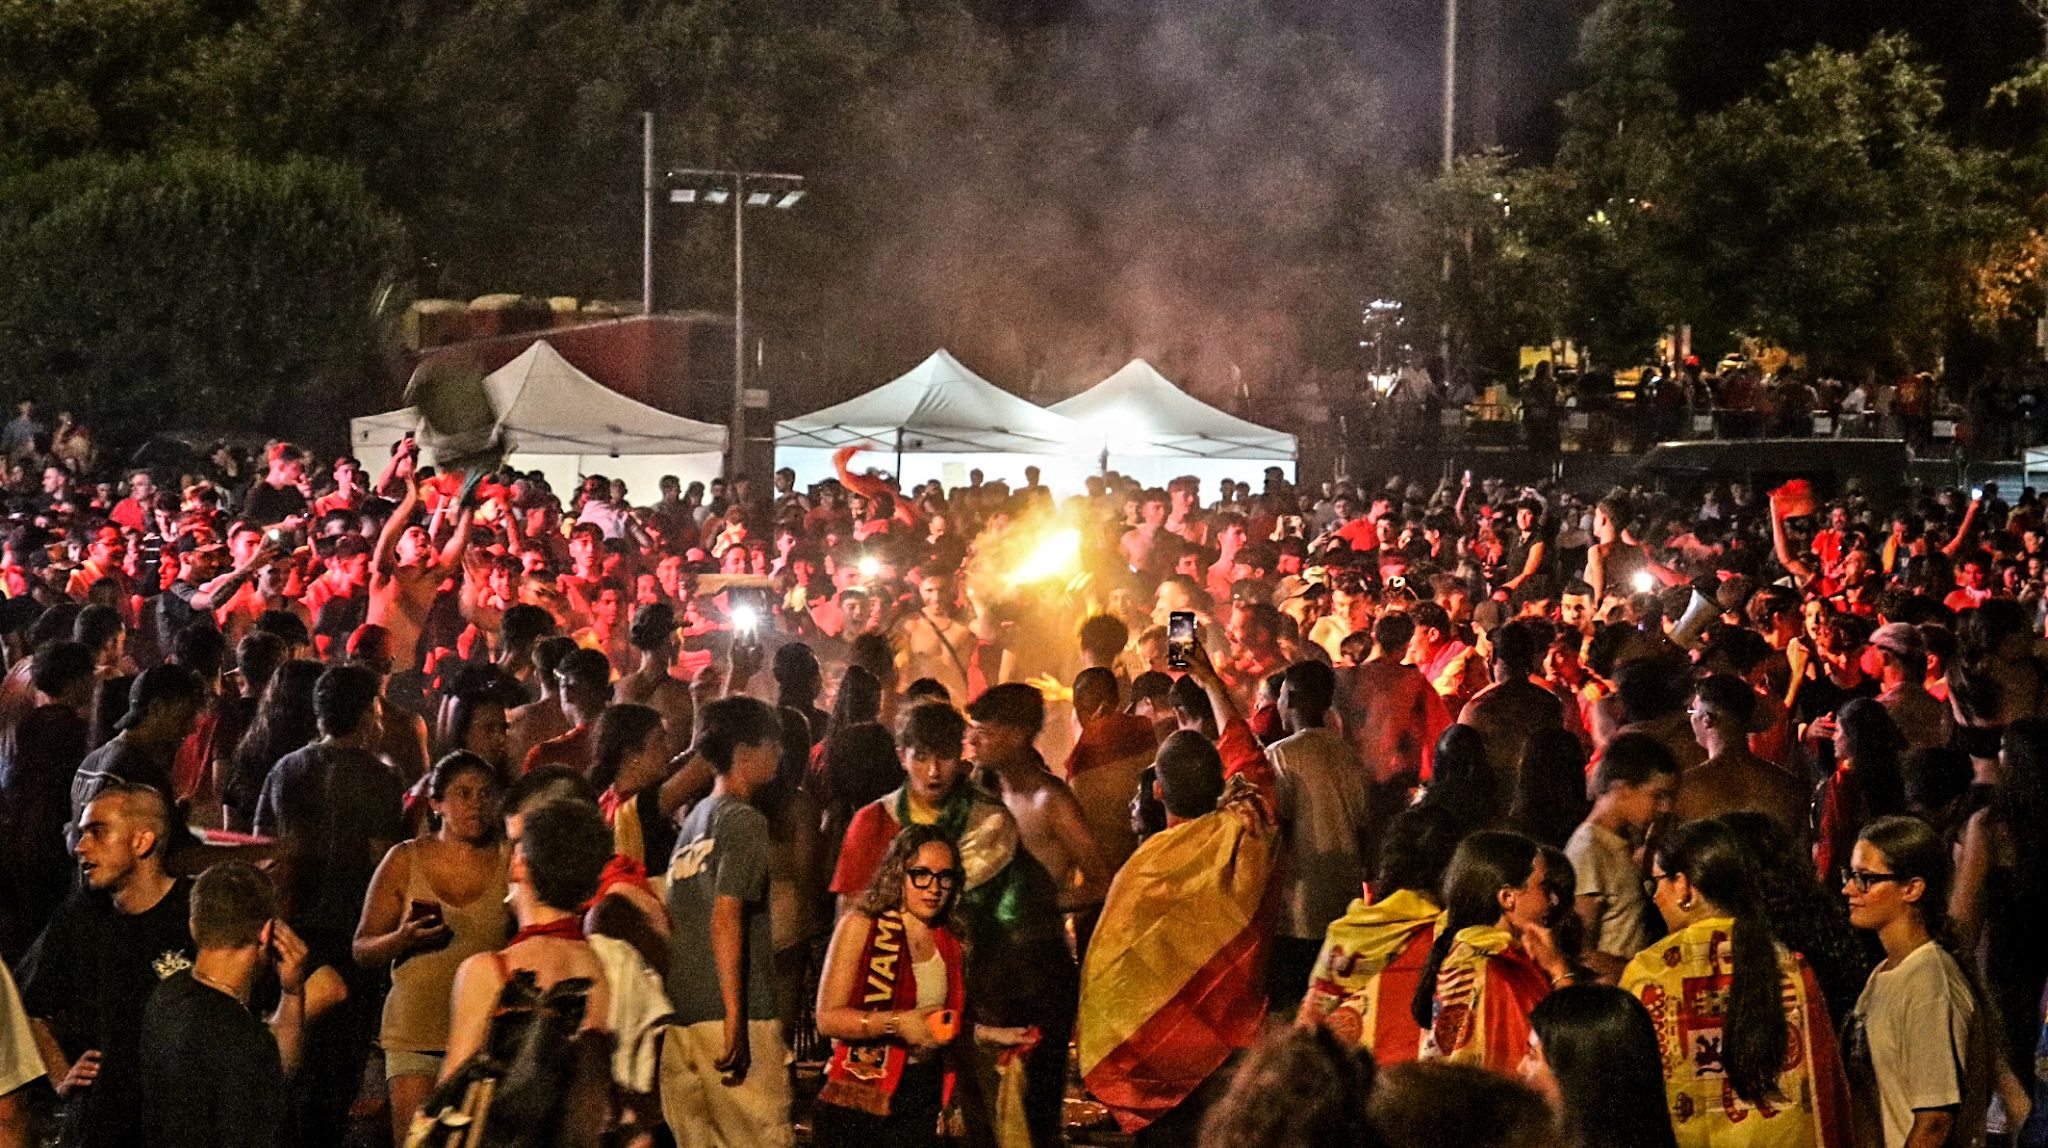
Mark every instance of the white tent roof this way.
pixel 548 407
pixel 938 406
pixel 1138 411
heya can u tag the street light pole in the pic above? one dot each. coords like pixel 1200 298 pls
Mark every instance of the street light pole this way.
pixel 1450 133
pixel 736 452
pixel 647 213
pixel 747 189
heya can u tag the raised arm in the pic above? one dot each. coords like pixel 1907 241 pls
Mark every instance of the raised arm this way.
pixel 384 557
pixel 1799 569
pixel 216 592
pixel 458 543
pixel 1964 529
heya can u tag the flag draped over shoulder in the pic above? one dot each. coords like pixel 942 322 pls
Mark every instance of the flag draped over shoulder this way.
pixel 1683 981
pixel 1366 974
pixel 1174 978
pixel 1485 990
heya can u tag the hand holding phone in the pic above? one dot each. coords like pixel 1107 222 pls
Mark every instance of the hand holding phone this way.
pixel 424 925
pixel 1180 638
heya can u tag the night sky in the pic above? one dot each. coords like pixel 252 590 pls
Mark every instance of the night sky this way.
pixel 1519 52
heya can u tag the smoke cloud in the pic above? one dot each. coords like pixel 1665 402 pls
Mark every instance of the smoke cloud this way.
pixel 1196 183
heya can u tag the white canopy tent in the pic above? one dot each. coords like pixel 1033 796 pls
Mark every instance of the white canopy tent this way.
pixel 938 421
pixel 1155 432
pixel 565 424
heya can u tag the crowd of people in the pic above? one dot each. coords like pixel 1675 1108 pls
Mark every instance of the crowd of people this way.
pixel 1317 813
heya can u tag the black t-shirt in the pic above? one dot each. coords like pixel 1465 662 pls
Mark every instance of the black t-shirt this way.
pixel 266 505
pixel 90 976
pixel 174 609
pixel 337 809
pixel 1822 695
pixel 123 760
pixel 339 616
pixel 211 1075
pixel 35 806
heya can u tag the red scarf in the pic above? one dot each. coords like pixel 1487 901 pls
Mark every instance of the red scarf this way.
pixel 565 928
pixel 863 1075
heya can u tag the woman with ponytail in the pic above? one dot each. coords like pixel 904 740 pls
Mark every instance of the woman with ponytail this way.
pixel 1749 1054
pixel 1493 959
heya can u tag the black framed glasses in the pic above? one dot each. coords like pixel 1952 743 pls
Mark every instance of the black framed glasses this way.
pixel 922 878
pixel 1651 882
pixel 1862 879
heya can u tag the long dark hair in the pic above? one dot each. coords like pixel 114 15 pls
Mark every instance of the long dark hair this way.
pixel 859 765
pixel 1714 861
pixel 1485 863
pixel 622 728
pixel 2019 802
pixel 859 700
pixel 1806 917
pixel 1602 1049
pixel 1462 780
pixel 1550 787
pixel 284 722
pixel 1876 748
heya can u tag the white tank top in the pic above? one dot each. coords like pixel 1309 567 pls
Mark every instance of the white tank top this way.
pixel 931 982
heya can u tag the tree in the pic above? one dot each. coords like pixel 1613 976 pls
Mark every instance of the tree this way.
pixel 194 289
pixel 1828 214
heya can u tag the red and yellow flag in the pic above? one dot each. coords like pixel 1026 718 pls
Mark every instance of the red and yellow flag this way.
pixel 1683 981
pixel 1174 980
pixel 1365 976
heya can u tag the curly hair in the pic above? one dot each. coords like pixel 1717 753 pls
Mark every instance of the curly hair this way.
pixel 884 894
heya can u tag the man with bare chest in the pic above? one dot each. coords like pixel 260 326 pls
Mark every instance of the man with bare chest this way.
pixel 406 574
pixel 932 643
pixel 1003 723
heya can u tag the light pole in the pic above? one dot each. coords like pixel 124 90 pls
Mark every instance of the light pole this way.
pixel 1450 142
pixel 744 189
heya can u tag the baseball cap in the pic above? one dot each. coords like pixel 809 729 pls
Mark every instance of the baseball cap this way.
pixel 169 682
pixel 197 541
pixel 1901 638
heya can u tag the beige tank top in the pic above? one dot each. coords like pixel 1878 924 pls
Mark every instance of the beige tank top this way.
pixel 416 1013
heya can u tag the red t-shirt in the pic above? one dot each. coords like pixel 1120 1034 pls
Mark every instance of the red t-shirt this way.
pixel 867 842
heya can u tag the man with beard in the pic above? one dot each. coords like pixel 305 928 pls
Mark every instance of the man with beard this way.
pixel 89 976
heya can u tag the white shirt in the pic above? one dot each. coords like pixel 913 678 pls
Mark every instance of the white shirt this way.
pixel 1605 868
pixel 1322 798
pixel 1925 1033
pixel 20 1063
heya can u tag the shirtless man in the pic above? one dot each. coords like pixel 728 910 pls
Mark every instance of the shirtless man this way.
pixel 406 574
pixel 1147 547
pixel 932 643
pixel 655 640
pixel 1003 723
pixel 1184 517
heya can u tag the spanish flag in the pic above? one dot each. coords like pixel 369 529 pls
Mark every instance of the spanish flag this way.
pixel 1174 980
pixel 1683 981
pixel 1485 990
pixel 1365 976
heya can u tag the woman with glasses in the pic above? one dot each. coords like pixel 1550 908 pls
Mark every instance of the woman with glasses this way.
pixel 1917 1044
pixel 891 999
pixel 1493 958
pixel 1749 1056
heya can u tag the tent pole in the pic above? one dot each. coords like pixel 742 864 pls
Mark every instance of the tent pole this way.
pixel 899 458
